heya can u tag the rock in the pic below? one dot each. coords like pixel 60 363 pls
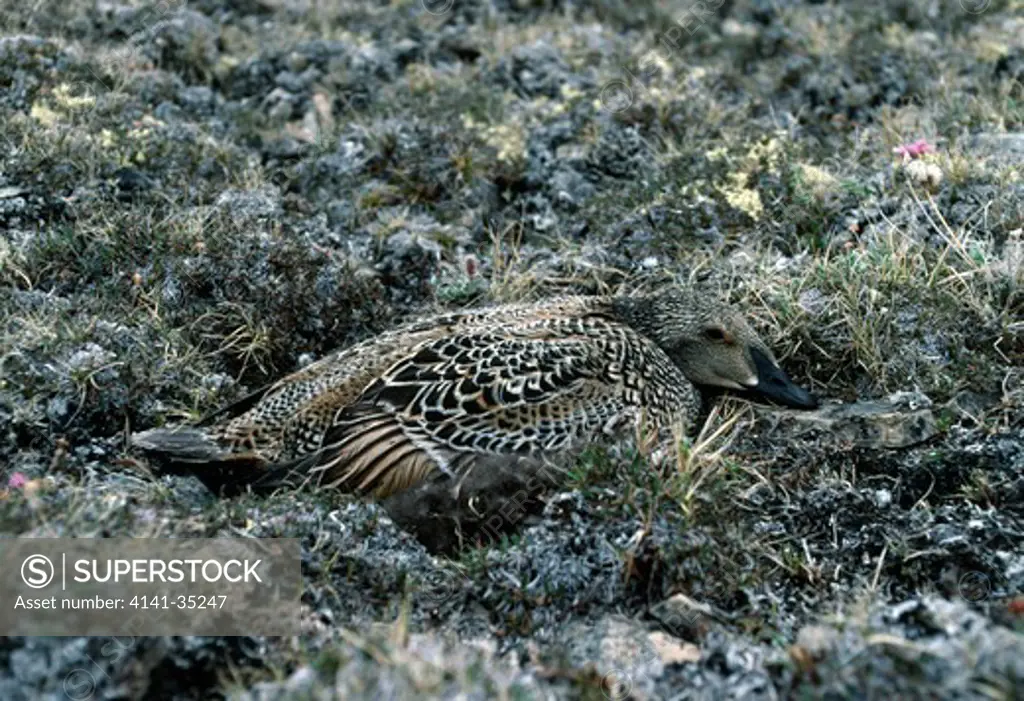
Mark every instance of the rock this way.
pixel 1002 149
pixel 250 205
pixel 534 70
pixel 130 183
pixel 365 665
pixel 411 257
pixel 340 213
pixel 11 191
pixel 898 421
pixel 817 640
pixel 280 104
pixel 11 206
pixel 24 61
pixel 673 650
pixel 186 43
pixel 198 100
pixel 406 51
pixel 684 617
pixel 813 644
pixel 813 301
pixel 623 655
pixel 571 187
pixel 89 358
pixel 463 48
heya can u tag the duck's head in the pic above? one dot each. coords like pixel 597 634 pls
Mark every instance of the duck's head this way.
pixel 713 345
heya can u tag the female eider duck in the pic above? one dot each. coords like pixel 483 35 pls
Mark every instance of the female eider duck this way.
pixel 437 393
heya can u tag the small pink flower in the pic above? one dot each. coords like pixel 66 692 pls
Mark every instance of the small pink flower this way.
pixel 17 480
pixel 914 150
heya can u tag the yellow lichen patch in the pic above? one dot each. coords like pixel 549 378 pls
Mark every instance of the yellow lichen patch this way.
pixel 764 156
pixel 818 182
pixel 44 115
pixel 570 92
pixel 63 96
pixel 767 153
pixel 743 198
pixel 895 36
pixel 63 100
pixel 509 140
pixel 421 77
pixel 990 51
pixel 717 154
pixel 141 136
pixel 226 63
pixel 653 61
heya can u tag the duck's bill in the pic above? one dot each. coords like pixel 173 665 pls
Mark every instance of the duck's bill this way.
pixel 774 385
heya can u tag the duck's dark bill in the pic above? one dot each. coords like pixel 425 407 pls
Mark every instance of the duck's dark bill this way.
pixel 774 385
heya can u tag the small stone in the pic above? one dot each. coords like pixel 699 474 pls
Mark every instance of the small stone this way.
pixel 1002 149
pixel 817 640
pixel 623 654
pixel 898 421
pixel 11 191
pixel 217 381
pixel 58 409
pixel 406 50
pixel 197 99
pixel 167 111
pixel 250 205
pixel 186 42
pixel 131 182
pixel 297 62
pixel 291 82
pixel 684 617
pixel 673 650
pixel 813 301
pixel 89 357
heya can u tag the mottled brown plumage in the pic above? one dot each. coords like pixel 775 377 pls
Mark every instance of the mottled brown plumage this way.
pixel 433 395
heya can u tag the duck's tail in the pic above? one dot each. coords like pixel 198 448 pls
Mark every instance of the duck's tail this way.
pixel 192 451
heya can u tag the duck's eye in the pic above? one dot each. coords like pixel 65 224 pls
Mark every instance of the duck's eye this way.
pixel 714 333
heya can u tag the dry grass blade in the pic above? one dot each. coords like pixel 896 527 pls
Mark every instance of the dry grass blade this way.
pixel 235 333
pixel 704 459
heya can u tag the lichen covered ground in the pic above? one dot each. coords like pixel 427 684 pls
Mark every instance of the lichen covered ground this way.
pixel 196 199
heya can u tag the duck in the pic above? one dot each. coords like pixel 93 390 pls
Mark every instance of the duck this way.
pixel 442 392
